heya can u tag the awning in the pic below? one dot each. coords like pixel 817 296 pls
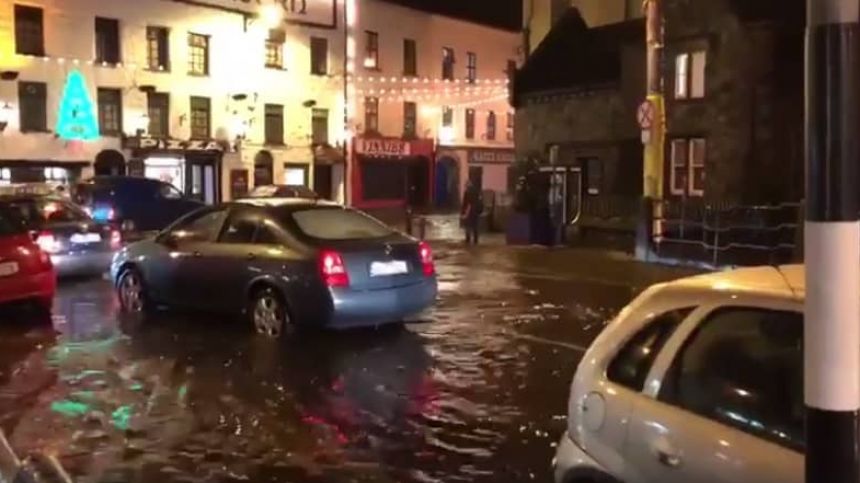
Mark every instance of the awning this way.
pixel 325 154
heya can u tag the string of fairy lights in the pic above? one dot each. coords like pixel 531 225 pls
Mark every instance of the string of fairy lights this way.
pixel 375 80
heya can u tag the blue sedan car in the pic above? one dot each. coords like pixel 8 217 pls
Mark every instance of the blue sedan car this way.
pixel 282 263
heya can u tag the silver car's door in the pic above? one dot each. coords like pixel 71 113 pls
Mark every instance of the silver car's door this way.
pixel 726 400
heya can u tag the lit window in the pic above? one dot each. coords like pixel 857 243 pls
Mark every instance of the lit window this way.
pixel 471 67
pixel 198 54
pixel 688 167
pixel 371 114
pixel 275 49
pixel 690 75
pixel 371 55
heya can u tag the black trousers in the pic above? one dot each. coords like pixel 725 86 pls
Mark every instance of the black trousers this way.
pixel 472 228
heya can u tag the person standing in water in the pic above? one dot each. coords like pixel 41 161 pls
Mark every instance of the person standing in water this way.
pixel 473 207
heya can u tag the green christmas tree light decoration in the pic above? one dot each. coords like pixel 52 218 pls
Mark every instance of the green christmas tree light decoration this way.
pixel 77 120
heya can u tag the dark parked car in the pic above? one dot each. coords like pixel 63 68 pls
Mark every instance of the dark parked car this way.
pixel 283 263
pixel 283 191
pixel 76 243
pixel 136 205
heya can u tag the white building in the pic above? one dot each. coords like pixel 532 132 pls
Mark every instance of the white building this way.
pixel 217 96
pixel 431 107
pixel 162 73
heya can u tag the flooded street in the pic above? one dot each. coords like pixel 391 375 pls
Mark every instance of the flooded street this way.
pixel 476 393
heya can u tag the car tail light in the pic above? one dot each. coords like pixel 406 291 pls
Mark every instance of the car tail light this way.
pixel 427 264
pixel 48 242
pixel 115 239
pixel 332 269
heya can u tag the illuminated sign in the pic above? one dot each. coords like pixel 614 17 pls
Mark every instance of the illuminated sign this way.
pixel 320 13
pixel 383 147
pixel 172 144
pixel 491 156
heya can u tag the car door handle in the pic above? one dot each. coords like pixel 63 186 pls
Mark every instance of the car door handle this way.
pixel 250 257
pixel 196 254
pixel 668 459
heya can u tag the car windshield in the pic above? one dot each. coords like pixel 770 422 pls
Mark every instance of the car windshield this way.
pixel 338 224
pixel 35 211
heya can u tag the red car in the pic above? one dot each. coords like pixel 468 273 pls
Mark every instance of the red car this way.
pixel 26 272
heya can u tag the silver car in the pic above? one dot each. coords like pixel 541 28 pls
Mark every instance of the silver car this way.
pixel 698 380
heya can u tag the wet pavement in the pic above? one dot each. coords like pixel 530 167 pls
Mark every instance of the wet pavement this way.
pixel 476 393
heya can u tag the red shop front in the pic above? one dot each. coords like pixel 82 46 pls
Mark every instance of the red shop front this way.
pixel 392 172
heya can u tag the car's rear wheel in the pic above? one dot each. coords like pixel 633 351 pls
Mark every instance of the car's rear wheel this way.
pixel 269 314
pixel 131 291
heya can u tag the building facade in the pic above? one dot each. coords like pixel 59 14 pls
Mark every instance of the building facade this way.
pixel 214 96
pixel 431 107
pixel 355 99
pixel 733 82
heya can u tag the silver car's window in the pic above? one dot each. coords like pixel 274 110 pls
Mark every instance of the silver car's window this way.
pixel 743 367
pixel 630 366
pixel 240 229
pixel 201 226
pixel 339 224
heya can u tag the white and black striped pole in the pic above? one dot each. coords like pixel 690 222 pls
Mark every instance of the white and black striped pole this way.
pixel 832 328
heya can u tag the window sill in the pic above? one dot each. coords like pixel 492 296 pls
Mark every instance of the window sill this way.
pixel 373 69
pixel 35 131
pixel 157 71
pixel 278 68
pixel 319 74
pixel 689 100
pixel 32 54
pixel 105 63
pixel 198 74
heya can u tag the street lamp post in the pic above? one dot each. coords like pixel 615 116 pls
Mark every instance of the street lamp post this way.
pixel 832 231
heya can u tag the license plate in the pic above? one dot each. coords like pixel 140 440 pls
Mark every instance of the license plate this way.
pixel 86 238
pixel 8 268
pixel 385 269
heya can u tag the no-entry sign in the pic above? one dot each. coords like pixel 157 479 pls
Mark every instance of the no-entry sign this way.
pixel 645 115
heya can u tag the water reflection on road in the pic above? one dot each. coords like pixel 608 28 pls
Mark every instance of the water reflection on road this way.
pixel 477 393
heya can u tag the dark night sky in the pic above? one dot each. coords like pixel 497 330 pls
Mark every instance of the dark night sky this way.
pixel 501 13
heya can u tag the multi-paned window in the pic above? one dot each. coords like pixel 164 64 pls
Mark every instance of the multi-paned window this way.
pixel 201 117
pixel 470 124
pixel 410 119
pixel 371 114
pixel 33 106
pixel 510 126
pixel 690 75
pixel 319 56
pixel 471 67
pixel 410 57
pixel 107 40
pixel 198 54
pixel 447 117
pixel 371 50
pixel 448 63
pixel 110 111
pixel 158 109
pixel 491 126
pixel 157 48
pixel 275 49
pixel 688 166
pixel 29 30
pixel 274 124
pixel 319 126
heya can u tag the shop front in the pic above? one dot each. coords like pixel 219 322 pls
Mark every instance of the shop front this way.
pixel 392 172
pixel 488 168
pixel 41 171
pixel 193 167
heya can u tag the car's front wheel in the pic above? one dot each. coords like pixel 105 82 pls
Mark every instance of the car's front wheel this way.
pixel 269 315
pixel 131 291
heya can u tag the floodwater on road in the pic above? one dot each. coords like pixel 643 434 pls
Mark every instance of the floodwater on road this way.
pixel 476 393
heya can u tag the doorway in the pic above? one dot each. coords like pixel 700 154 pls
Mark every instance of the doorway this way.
pixel 323 180
pixel 418 182
pixel 202 180
pixel 447 183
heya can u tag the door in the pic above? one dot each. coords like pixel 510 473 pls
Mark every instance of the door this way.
pixel 730 407
pixel 201 179
pixel 323 180
pixel 188 276
pixel 418 182
pixel 573 191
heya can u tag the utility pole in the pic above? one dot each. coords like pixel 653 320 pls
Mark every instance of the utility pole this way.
pixel 652 120
pixel 832 231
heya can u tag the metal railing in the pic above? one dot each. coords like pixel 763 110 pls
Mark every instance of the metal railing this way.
pixel 727 234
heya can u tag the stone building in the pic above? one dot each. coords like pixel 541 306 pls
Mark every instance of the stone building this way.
pixel 733 81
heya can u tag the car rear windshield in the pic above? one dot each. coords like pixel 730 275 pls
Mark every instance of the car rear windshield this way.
pixel 338 224
pixel 39 211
